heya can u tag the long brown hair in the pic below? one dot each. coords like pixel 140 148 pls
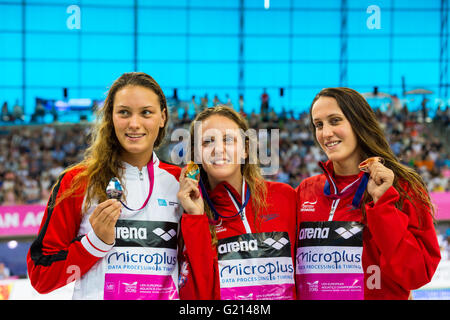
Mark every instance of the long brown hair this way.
pixel 102 159
pixel 372 142
pixel 250 169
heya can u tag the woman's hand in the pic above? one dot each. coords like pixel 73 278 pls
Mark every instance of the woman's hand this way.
pixel 381 179
pixel 189 195
pixel 103 220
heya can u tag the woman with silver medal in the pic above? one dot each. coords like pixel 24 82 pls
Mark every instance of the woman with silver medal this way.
pixel 104 225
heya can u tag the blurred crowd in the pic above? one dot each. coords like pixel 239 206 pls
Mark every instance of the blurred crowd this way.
pixel 33 156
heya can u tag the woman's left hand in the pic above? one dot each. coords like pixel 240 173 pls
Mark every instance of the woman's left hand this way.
pixel 189 195
pixel 381 179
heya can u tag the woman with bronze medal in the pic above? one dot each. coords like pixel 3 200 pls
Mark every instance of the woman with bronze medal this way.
pixel 366 223
pixel 248 223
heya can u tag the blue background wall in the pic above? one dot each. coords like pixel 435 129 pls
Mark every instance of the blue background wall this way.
pixel 194 45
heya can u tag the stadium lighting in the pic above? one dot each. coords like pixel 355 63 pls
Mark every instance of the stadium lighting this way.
pixel 266 4
pixel 12 244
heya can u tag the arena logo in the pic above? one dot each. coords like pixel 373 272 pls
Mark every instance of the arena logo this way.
pixel 346 234
pixel 276 244
pixel 313 233
pixel 236 246
pixel 166 236
pixel 131 233
pixel 261 147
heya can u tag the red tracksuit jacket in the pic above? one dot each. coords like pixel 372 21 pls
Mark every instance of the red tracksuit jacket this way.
pixel 60 243
pixel 279 216
pixel 406 250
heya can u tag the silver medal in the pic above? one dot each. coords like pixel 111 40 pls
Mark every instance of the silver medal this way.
pixel 114 189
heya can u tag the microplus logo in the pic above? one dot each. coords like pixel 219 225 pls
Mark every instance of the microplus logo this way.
pixel 269 268
pixel 131 233
pixel 335 257
pixel 314 233
pixel 236 246
pixel 155 258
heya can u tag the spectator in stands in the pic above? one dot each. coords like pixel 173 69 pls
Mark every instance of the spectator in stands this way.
pixel 295 138
pixel 4 271
pixel 5 115
pixel 264 104
pixel 194 105
pixel 17 112
pixel 31 190
pixel 228 99
pixel 39 113
pixel 216 101
pixel 204 102
pixel 241 103
pixel 10 197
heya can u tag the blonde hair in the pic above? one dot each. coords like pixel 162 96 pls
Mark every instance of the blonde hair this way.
pixel 102 159
pixel 250 169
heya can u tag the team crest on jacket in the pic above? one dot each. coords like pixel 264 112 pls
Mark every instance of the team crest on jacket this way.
pixel 308 206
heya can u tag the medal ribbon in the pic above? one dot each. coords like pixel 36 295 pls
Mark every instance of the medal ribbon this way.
pixel 213 208
pixel 151 178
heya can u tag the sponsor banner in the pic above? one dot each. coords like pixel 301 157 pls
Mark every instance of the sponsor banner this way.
pixel 20 220
pixel 279 292
pixel 142 262
pixel 257 245
pixel 138 233
pixel 329 287
pixel 254 272
pixel 329 261
pixel 160 261
pixel 256 266
pixel 441 200
pixel 139 287
pixel 330 233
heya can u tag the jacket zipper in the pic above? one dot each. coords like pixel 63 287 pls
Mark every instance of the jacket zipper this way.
pixel 334 206
pixel 243 217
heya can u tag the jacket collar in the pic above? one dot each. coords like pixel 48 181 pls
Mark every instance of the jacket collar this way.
pixel 219 194
pixel 131 171
pixel 328 170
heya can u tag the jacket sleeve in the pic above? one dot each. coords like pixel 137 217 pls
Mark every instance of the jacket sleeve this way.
pixel 58 256
pixel 409 250
pixel 199 266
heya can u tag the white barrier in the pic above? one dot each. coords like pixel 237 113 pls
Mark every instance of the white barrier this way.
pixel 21 289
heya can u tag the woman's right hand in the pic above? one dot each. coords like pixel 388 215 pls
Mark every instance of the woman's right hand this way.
pixel 103 220
pixel 189 195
